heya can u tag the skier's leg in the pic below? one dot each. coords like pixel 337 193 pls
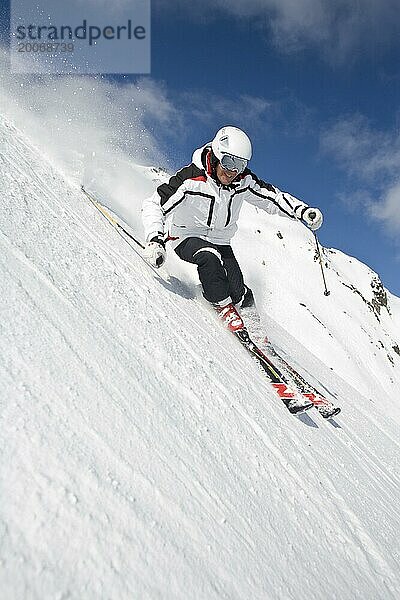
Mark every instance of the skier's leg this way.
pixel 239 292
pixel 213 278
pixel 212 273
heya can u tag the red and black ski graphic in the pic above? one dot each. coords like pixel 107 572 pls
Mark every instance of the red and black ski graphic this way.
pixel 294 402
pixel 324 406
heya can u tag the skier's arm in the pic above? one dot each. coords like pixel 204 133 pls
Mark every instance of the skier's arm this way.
pixel 269 198
pixel 165 199
pixel 153 217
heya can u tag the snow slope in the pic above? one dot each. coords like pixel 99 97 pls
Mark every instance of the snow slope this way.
pixel 143 455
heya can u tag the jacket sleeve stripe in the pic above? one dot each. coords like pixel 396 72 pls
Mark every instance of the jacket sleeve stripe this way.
pixel 271 199
pixel 286 199
pixel 210 212
pixel 174 205
pixel 228 218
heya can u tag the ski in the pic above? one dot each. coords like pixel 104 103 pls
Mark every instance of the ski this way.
pixel 122 229
pixel 111 218
pixel 324 406
pixel 294 402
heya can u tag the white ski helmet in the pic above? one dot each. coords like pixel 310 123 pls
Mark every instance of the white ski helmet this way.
pixel 233 141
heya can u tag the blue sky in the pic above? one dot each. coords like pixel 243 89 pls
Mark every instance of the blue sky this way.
pixel 315 83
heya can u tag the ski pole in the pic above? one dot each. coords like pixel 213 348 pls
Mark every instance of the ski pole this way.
pixel 326 292
pixel 109 218
pixel 121 231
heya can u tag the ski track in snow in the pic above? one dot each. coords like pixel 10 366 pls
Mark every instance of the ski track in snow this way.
pixel 143 454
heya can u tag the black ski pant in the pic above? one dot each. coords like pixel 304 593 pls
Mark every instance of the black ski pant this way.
pixel 219 271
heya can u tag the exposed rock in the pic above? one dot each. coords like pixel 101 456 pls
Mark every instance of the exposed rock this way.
pixel 379 299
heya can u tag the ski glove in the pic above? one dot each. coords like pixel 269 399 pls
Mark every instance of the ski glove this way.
pixel 313 218
pixel 154 252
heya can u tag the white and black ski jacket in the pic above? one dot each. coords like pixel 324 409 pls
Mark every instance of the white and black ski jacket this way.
pixel 194 204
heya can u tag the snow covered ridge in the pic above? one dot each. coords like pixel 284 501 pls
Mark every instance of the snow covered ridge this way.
pixel 142 455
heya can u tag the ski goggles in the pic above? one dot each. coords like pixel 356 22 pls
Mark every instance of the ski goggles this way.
pixel 233 163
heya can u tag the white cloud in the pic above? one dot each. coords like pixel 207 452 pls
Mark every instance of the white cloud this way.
pixel 361 149
pixel 243 110
pixel 371 159
pixel 387 210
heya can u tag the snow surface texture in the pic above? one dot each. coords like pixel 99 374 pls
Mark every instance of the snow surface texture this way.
pixel 142 453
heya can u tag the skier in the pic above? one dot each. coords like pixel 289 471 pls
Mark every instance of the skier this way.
pixel 197 211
